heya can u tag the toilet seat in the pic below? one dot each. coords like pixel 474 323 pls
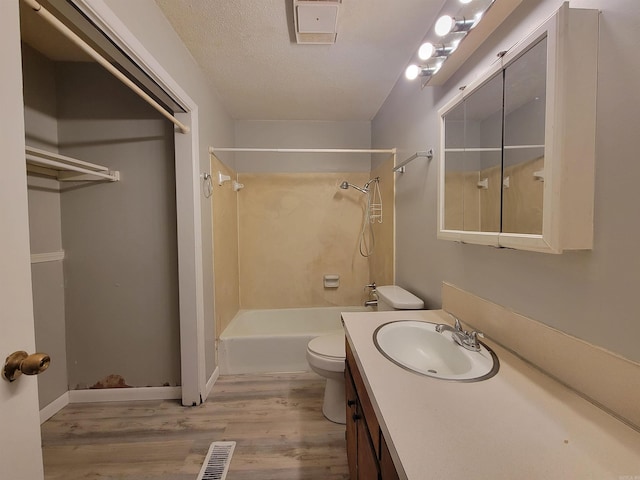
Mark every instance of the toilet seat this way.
pixel 327 352
pixel 331 346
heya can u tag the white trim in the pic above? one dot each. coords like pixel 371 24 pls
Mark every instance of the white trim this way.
pixel 107 21
pixel 190 278
pixel 95 395
pixel 106 64
pixel 54 407
pixel 191 283
pixel 47 257
pixel 211 382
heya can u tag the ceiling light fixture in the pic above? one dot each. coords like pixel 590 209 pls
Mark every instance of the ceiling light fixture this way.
pixel 428 50
pixel 447 24
pixel 458 18
pixel 414 71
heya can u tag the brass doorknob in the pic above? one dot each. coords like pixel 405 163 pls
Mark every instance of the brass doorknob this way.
pixel 21 362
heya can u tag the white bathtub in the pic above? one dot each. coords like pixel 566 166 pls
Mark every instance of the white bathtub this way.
pixel 258 341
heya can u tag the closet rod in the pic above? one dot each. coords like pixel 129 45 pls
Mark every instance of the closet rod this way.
pixel 301 150
pixel 49 17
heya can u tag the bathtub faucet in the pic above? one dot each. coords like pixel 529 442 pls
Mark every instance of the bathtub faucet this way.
pixel 373 295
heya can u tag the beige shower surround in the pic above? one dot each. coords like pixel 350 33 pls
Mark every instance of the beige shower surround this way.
pixel 293 229
pixel 276 238
pixel 470 208
pixel 225 247
pixel 382 264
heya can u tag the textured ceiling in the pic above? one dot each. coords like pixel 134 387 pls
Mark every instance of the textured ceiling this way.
pixel 248 52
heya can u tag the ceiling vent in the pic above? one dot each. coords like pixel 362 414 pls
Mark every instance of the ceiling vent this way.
pixel 316 21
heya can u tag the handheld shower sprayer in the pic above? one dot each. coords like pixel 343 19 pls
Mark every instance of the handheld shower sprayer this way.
pixel 364 189
pixel 372 213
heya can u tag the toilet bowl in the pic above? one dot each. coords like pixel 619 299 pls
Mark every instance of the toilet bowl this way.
pixel 326 354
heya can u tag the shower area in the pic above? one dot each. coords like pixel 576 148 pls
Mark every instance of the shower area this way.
pixel 306 231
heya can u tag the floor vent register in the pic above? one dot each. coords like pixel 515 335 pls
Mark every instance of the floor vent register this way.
pixel 216 463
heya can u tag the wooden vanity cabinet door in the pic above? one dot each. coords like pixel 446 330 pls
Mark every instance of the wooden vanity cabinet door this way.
pixel 367 461
pixel 352 425
pixel 363 397
pixel 387 468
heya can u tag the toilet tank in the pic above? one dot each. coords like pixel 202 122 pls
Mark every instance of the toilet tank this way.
pixel 393 297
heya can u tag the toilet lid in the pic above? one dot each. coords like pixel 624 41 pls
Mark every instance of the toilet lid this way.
pixel 331 345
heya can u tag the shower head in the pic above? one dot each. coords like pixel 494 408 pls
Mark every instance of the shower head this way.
pixel 365 189
pixel 345 185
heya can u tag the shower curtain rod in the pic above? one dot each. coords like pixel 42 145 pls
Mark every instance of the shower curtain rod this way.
pixel 53 20
pixel 301 150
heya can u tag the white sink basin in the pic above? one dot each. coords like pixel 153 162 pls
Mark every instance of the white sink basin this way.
pixel 418 347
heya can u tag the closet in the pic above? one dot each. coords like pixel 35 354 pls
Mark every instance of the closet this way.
pixel 102 219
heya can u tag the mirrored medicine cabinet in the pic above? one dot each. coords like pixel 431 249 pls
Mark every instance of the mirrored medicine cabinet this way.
pixel 518 144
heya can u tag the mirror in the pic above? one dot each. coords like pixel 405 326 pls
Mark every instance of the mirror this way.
pixel 494 151
pixel 473 157
pixel 517 145
pixel 524 130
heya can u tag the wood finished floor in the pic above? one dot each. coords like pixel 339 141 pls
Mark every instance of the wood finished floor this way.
pixel 275 419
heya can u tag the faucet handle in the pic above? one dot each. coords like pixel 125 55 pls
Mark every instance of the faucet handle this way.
pixel 457 324
pixel 474 339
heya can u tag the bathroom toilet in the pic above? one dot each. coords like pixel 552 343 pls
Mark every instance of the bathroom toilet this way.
pixel 326 354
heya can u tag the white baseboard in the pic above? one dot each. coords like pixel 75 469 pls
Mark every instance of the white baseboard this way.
pixel 124 394
pixel 54 407
pixel 119 395
pixel 211 382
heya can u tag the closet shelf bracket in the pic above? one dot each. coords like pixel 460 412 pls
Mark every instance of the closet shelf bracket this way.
pixel 67 169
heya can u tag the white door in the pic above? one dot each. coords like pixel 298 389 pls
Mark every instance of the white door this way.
pixel 20 446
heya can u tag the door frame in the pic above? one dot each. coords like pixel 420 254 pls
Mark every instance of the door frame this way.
pixel 20 441
pixel 188 206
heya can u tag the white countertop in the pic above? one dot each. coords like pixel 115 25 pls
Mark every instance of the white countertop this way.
pixel 520 424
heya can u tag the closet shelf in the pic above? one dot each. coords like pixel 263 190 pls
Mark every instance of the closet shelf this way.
pixel 66 169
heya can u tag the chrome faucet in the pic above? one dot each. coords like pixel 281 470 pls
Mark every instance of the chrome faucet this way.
pixel 373 295
pixel 468 340
pixel 457 328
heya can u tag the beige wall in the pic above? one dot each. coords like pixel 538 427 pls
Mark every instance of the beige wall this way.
pixel 522 201
pixel 462 201
pixel 468 207
pixel 225 246
pixel 294 228
pixel 381 264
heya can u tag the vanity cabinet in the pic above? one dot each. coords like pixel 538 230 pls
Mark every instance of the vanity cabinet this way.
pixel 367 452
pixel 518 144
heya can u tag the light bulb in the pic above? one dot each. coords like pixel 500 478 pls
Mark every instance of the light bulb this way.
pixel 426 51
pixel 465 1
pixel 444 25
pixel 477 18
pixel 412 72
